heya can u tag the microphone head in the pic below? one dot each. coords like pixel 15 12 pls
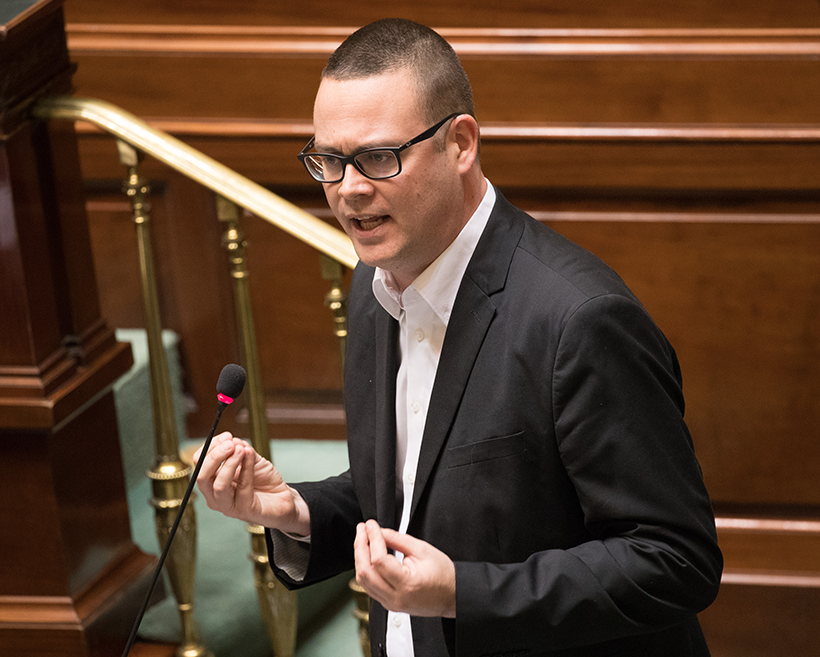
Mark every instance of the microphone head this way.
pixel 230 383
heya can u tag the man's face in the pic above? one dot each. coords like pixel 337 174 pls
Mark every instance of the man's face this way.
pixel 404 223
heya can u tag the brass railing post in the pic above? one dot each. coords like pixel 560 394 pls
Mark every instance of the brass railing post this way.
pixel 277 604
pixel 362 614
pixel 336 300
pixel 169 475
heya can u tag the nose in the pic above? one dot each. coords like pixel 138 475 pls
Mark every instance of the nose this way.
pixel 354 183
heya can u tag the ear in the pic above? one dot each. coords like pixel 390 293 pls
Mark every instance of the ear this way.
pixel 466 138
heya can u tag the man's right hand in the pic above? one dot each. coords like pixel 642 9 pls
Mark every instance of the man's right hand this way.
pixel 239 483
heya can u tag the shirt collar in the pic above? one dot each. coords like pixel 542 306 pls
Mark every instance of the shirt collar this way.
pixel 439 283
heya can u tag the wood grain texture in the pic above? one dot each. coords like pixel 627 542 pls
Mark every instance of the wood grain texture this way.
pixel 458 13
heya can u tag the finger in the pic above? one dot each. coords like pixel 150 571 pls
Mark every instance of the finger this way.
pixel 214 449
pixel 378 548
pixel 429 572
pixel 387 567
pixel 244 481
pixel 366 575
pixel 364 555
pixel 210 466
pixel 217 440
pixel 361 553
pixel 224 481
pixel 404 543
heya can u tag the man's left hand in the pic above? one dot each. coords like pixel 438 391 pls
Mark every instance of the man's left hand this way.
pixel 422 584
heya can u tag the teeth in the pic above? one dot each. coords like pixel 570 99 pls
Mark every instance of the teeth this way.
pixel 368 223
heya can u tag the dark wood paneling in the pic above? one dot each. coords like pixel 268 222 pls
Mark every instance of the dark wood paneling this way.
pixel 606 77
pixel 646 169
pixel 763 621
pixel 771 587
pixel 486 13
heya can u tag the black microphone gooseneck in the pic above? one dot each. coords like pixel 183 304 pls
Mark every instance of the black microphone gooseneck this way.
pixel 228 387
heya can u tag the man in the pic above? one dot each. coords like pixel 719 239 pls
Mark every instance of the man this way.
pixel 521 478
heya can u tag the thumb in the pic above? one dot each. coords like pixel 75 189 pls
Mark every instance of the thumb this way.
pixel 404 543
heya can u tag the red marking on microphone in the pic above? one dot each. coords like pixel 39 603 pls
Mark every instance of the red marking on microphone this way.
pixel 224 398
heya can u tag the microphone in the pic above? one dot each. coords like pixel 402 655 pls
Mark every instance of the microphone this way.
pixel 228 387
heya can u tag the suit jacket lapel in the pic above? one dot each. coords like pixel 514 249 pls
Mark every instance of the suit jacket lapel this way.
pixel 387 331
pixel 472 316
pixel 468 328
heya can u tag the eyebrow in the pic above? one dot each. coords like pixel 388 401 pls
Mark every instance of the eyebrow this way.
pixel 364 147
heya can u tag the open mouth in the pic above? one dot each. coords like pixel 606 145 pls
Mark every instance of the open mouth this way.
pixel 369 223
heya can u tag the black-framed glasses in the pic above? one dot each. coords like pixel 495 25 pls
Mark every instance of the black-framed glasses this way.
pixel 373 163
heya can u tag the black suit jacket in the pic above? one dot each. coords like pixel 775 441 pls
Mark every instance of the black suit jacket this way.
pixel 556 469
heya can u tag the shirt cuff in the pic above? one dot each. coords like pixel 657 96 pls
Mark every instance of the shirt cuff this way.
pixel 291 553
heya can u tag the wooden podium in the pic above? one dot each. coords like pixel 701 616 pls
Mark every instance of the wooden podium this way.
pixel 71 580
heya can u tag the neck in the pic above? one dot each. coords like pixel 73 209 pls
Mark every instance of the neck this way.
pixel 475 187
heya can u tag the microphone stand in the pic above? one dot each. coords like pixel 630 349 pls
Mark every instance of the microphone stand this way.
pixel 221 406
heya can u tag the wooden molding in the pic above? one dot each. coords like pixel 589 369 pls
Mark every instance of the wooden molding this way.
pixel 51 399
pixel 497 131
pixel 772 578
pixel 752 544
pixel 676 217
pixel 17 610
pixel 246 40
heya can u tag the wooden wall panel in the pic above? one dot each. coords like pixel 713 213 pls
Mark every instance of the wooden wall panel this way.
pixel 458 13
pixel 742 622
pixel 573 76
pixel 213 87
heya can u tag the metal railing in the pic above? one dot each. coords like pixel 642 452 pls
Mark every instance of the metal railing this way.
pixel 203 169
pixel 169 475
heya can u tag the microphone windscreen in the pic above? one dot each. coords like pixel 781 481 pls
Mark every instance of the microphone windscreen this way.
pixel 231 381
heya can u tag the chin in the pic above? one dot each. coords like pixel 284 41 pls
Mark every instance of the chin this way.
pixel 371 259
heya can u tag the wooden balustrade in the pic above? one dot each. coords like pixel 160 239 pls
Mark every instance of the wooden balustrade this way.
pixel 71 578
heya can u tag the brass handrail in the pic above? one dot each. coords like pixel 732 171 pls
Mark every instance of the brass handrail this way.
pixel 201 168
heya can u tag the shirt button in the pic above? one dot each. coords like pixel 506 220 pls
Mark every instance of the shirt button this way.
pixel 415 406
pixel 397 621
pixel 419 335
pixel 411 477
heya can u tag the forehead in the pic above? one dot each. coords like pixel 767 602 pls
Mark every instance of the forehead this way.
pixel 374 111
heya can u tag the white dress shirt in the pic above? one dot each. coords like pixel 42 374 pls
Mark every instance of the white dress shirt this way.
pixel 423 312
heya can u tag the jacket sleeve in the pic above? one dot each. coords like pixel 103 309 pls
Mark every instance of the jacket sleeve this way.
pixel 652 561
pixel 334 514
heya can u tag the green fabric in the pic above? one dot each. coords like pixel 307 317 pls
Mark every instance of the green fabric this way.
pixel 11 9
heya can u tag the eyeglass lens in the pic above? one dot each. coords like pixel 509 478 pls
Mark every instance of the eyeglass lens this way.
pixel 375 164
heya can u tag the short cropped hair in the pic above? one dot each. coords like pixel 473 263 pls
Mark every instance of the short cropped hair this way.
pixel 392 44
